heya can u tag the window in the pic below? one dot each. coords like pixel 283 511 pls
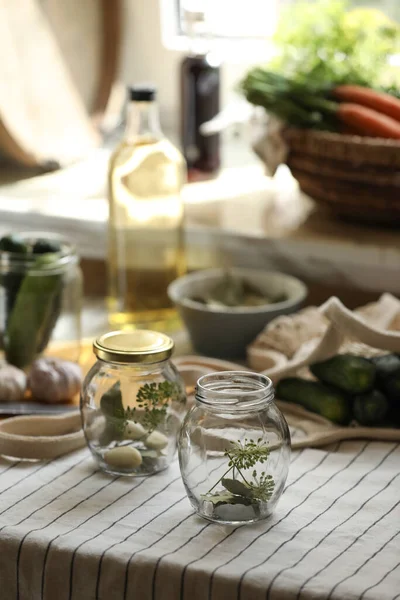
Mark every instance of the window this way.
pixel 233 19
pixel 245 19
pixel 251 22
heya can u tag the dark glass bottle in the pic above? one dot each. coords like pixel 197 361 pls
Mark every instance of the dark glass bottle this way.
pixel 200 101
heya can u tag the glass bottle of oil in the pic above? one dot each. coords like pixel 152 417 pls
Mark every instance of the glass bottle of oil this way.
pixel 146 176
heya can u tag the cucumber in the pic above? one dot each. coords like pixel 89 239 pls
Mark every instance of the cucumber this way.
pixel 34 314
pixel 388 378
pixel 349 373
pixel 14 244
pixel 42 246
pixel 113 409
pixel 370 409
pixel 386 366
pixel 316 397
pixel 392 389
pixel 11 281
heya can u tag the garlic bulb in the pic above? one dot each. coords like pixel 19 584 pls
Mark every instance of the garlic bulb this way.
pixel 54 380
pixel 12 384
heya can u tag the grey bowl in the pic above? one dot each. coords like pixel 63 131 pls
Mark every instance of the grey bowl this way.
pixel 226 332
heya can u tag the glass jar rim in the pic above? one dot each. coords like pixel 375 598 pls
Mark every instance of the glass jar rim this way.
pixel 233 391
pixel 18 262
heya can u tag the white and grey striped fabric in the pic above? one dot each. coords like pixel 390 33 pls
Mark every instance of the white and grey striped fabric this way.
pixel 68 532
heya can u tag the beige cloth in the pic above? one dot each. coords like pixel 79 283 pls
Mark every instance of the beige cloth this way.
pixel 344 328
pixel 289 336
pixel 38 437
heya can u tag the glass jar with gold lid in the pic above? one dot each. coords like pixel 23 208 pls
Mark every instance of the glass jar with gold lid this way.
pixel 132 403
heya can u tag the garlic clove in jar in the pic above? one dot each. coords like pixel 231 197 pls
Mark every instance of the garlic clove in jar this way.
pixel 134 431
pixel 54 380
pixel 124 457
pixel 12 384
pixel 156 441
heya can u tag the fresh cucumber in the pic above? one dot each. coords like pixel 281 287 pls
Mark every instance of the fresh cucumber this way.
pixel 386 365
pixel 392 388
pixel 349 373
pixel 370 409
pixel 388 378
pixel 316 397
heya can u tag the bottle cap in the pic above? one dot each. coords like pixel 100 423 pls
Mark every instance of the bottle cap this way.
pixel 142 93
pixel 139 346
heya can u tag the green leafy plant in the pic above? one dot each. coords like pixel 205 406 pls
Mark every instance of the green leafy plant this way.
pixel 325 42
pixel 243 456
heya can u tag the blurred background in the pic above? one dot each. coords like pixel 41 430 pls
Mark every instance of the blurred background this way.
pixel 65 66
pixel 64 71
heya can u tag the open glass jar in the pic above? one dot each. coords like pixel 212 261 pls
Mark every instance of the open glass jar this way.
pixel 132 403
pixel 40 298
pixel 234 448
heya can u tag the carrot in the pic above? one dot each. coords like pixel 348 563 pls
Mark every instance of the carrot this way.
pixel 383 103
pixel 368 121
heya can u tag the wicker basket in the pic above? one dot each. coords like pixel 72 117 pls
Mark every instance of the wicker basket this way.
pixel 356 177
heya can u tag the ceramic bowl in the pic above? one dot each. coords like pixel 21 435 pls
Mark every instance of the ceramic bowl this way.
pixel 225 332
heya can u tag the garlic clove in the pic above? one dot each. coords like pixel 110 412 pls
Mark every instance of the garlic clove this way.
pixel 12 384
pixel 156 441
pixel 124 457
pixel 134 431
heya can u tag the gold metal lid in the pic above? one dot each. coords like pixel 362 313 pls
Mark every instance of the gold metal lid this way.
pixel 139 346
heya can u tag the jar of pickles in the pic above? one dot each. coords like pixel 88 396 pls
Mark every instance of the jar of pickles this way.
pixel 234 448
pixel 132 403
pixel 40 298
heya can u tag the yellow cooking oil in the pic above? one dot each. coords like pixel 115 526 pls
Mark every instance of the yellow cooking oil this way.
pixel 145 241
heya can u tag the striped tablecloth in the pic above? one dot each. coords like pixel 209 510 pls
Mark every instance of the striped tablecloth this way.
pixel 69 532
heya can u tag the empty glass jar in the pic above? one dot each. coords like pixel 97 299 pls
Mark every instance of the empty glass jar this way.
pixel 234 448
pixel 132 403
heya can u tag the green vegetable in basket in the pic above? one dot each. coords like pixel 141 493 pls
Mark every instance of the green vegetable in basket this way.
pixel 328 43
pixel 349 373
pixel 34 312
pixel 316 397
pixel 370 409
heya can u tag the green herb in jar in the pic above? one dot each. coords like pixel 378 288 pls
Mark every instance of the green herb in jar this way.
pixel 152 401
pixel 246 490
